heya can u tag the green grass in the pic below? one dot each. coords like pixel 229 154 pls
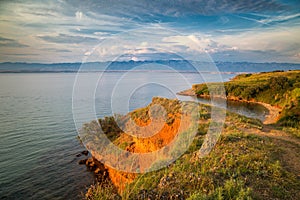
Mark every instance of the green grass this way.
pixel 241 166
pixel 110 128
pixel 292 131
pixel 169 106
pixel 232 189
pixel 102 191
pixel 275 88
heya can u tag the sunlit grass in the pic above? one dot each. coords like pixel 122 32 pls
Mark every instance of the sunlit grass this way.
pixel 241 166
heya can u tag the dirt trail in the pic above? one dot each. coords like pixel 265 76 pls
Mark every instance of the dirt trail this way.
pixel 289 145
pixel 270 132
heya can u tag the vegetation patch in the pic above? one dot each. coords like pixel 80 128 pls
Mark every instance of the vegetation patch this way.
pixel 250 161
pixel 278 88
pixel 242 165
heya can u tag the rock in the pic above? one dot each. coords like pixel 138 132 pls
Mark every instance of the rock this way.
pixel 89 161
pixel 90 164
pixel 89 193
pixel 85 152
pixel 82 162
pixel 97 171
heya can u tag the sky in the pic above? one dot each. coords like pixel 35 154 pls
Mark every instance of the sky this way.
pixel 84 30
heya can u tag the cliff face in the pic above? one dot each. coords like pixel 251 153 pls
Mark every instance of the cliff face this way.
pixel 140 133
pixel 248 156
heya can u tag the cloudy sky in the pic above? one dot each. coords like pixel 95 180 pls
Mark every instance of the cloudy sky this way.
pixel 77 30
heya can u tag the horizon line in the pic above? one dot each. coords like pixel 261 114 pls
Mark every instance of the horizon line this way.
pixel 132 61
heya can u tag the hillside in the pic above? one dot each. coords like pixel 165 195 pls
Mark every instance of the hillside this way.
pixel 279 89
pixel 250 161
pixel 178 65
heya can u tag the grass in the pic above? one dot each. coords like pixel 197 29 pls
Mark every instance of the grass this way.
pixel 292 131
pixel 102 191
pixel 232 189
pixel 241 166
pixel 171 107
pixel 277 88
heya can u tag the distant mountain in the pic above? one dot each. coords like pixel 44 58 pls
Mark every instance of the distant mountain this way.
pixel 163 65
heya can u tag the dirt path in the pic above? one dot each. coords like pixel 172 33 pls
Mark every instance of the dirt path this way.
pixel 289 145
pixel 270 132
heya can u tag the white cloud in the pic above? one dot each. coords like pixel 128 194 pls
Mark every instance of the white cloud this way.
pixel 274 39
pixel 278 18
pixel 203 44
pixel 78 15
pixel 25 22
pixel 87 53
pixel 144 44
pixel 134 58
pixel 134 51
pixel 297 55
pixel 191 42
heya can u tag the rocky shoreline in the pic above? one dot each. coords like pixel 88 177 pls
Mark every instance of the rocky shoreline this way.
pixel 189 92
pixel 93 165
pixel 98 169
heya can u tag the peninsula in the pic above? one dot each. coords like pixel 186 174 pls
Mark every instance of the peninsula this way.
pixel 251 160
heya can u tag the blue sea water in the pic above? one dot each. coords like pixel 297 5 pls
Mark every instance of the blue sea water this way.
pixel 38 137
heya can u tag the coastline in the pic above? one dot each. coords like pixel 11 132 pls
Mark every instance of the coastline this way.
pixel 112 182
pixel 270 118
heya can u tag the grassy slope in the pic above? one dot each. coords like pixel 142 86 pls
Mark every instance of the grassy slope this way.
pixel 281 89
pixel 244 165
